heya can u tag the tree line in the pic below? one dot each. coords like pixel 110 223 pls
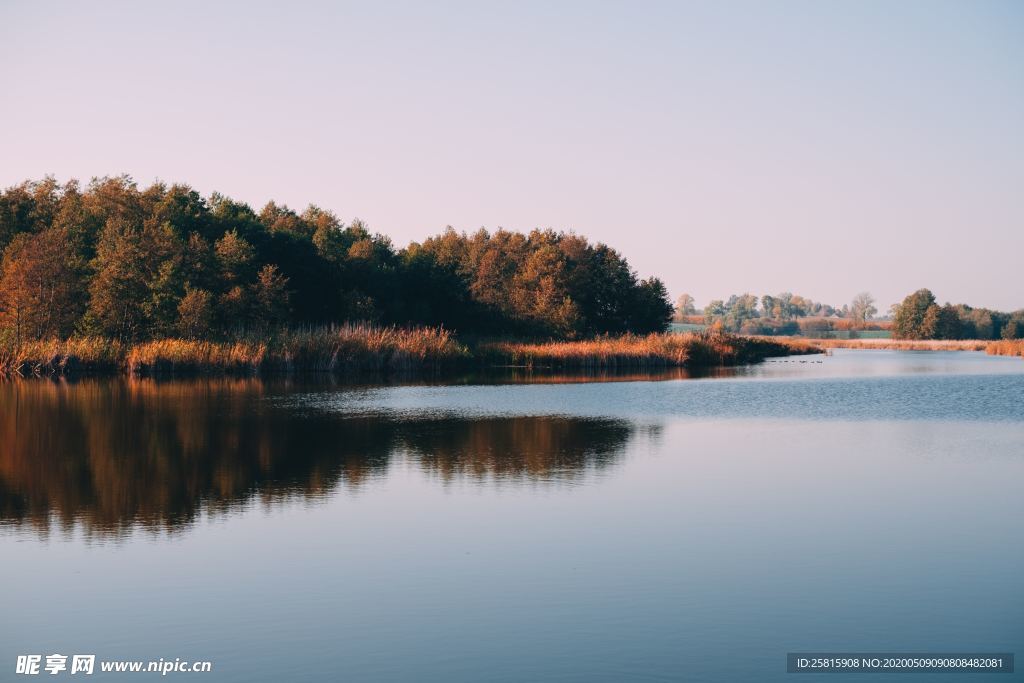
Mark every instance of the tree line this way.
pixel 775 313
pixel 919 316
pixel 132 263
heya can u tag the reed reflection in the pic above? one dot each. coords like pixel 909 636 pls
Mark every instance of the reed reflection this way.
pixel 110 455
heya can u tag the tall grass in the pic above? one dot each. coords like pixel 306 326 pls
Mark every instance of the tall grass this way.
pixel 170 356
pixel 62 356
pixel 336 349
pixel 695 349
pixel 1006 347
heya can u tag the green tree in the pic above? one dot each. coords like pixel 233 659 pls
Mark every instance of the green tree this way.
pixel 947 323
pixel 652 307
pixel 1014 327
pixel 909 319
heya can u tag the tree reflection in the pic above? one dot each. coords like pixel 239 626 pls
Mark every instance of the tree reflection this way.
pixel 110 455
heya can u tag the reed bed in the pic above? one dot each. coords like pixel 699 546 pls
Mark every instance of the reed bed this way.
pixel 185 356
pixel 1006 347
pixel 62 356
pixel 367 348
pixel 338 349
pixel 696 349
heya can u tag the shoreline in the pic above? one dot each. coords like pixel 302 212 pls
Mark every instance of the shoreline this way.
pixel 364 349
pixel 354 350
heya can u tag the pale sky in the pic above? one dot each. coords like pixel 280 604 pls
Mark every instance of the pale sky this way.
pixel 823 148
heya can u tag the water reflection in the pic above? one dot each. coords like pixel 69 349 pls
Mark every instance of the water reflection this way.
pixel 113 454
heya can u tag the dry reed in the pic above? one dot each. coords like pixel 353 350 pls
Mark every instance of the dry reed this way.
pixel 1006 347
pixel 907 344
pixel 62 356
pixel 696 349
pixel 345 348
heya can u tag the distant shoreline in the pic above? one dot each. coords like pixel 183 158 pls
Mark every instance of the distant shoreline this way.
pixel 996 347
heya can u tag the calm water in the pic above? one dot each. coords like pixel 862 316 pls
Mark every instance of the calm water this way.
pixel 682 529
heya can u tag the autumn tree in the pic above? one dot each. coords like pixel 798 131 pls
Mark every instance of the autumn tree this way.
pixel 195 313
pixel 40 286
pixel 133 291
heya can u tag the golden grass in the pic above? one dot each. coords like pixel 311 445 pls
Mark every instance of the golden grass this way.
pixel 907 344
pixel 367 347
pixel 345 348
pixel 695 349
pixel 185 355
pixel 61 356
pixel 1006 347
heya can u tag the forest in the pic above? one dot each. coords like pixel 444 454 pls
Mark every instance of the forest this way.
pixel 113 260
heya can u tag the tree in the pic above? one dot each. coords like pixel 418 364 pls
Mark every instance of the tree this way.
pixel 714 312
pixel 195 313
pixel 947 323
pixel 862 308
pixel 270 297
pixel 235 255
pixel 685 305
pixel 1014 327
pixel 136 286
pixel 40 290
pixel 909 319
pixel 653 308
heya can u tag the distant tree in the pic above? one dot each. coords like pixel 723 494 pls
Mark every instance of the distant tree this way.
pixel 685 305
pixel 799 306
pixel 909 318
pixel 862 308
pixel 947 323
pixel 714 312
pixel 1014 327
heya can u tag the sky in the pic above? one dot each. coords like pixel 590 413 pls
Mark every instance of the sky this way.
pixel 823 148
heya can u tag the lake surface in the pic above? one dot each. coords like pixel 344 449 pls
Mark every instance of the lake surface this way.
pixel 514 529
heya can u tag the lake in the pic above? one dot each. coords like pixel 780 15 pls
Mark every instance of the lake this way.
pixel 518 528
